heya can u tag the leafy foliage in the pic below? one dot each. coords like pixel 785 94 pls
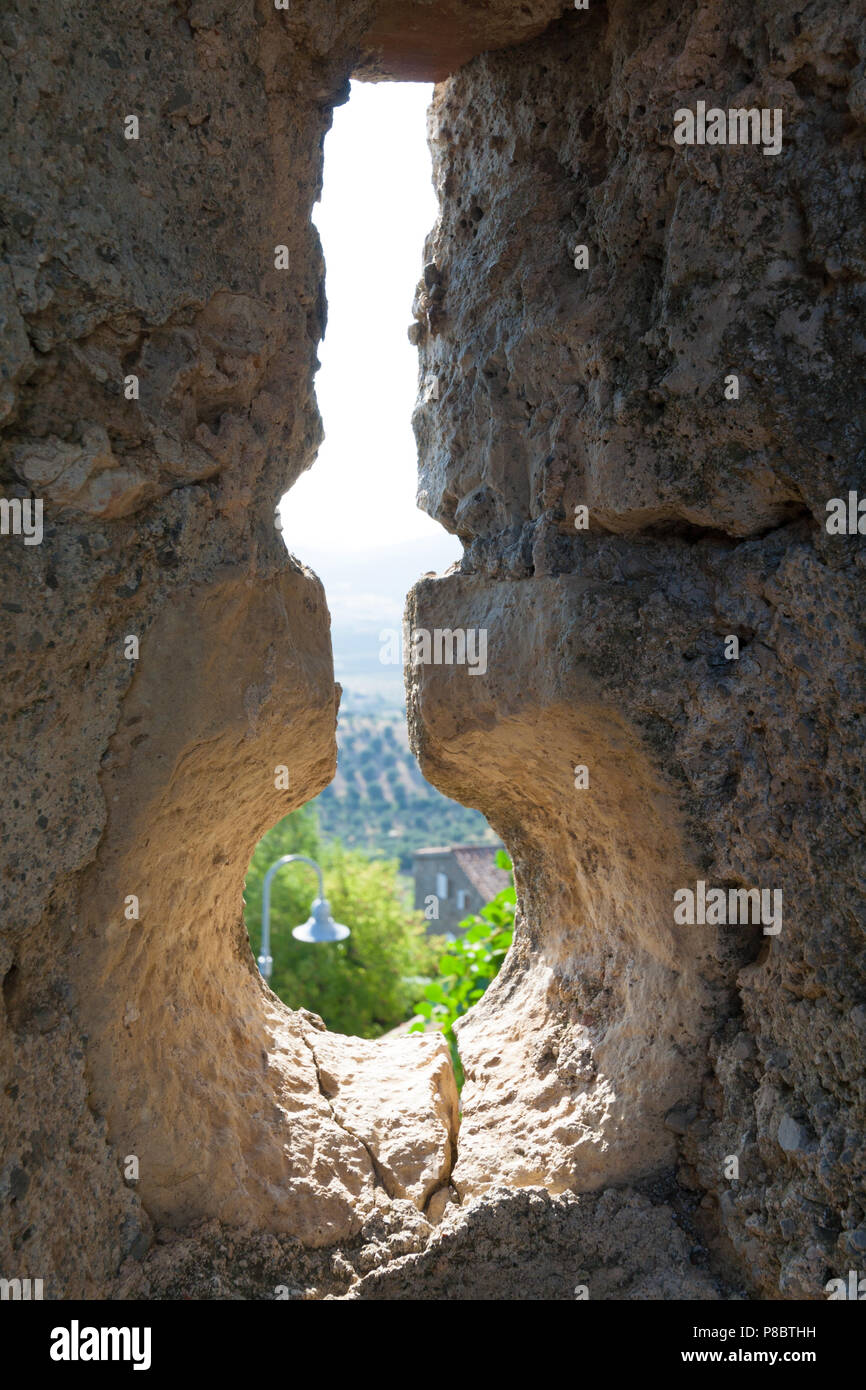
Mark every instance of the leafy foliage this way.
pixel 468 966
pixel 364 985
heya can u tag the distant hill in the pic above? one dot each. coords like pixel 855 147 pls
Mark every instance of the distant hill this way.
pixel 366 592
pixel 379 800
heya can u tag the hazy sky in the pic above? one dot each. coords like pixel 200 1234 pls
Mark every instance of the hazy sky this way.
pixel 377 206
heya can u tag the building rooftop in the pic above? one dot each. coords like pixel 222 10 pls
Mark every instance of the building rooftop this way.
pixel 478 863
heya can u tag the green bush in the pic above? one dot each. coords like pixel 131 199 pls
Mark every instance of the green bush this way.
pixel 468 965
pixel 364 985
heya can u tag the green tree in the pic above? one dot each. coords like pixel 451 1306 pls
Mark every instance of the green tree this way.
pixel 364 985
pixel 468 965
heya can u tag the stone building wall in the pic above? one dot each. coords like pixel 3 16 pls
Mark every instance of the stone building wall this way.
pixel 429 864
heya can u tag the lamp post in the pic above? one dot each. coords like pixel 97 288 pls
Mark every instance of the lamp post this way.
pixel 319 926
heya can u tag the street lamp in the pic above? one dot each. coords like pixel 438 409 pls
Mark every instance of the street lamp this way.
pixel 319 926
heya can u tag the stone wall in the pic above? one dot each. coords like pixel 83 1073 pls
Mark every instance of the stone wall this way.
pixel 135 1025
pixel 618 1060
pixel 617 1045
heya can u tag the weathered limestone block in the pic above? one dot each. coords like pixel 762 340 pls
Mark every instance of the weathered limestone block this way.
pixel 614 1042
pixel 614 1244
pixel 161 301
pixel 605 386
pixel 399 1097
pixel 582 1044
pixel 157 394
pixel 592 1055
pixel 420 41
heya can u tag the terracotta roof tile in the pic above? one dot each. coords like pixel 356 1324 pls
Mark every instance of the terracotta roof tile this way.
pixel 478 863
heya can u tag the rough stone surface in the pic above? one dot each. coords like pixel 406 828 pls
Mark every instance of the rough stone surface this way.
pixel 424 41
pixel 399 1098
pixel 616 1044
pixel 619 1062
pixel 145 1031
pixel 703 261
pixel 621 1244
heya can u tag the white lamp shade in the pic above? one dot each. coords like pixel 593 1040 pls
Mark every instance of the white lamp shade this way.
pixel 321 927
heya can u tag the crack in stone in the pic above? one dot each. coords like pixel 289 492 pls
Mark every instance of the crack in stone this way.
pixel 453 1132
pixel 378 1172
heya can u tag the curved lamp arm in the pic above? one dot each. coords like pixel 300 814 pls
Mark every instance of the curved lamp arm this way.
pixel 265 960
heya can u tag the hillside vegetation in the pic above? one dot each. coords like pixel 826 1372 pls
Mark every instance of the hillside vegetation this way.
pixel 380 802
